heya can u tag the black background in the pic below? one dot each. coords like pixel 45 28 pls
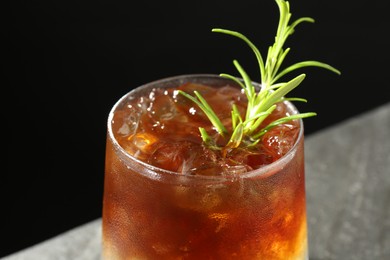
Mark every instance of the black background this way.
pixel 68 62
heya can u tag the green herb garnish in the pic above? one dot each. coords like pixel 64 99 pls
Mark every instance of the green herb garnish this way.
pixel 260 103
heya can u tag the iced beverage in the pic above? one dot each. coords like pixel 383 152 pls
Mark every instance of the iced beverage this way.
pixel 168 196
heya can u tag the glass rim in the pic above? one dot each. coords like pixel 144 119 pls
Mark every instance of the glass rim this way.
pixel 154 172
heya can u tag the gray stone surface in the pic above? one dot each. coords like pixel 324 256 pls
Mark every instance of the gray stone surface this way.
pixel 80 243
pixel 348 197
pixel 348 188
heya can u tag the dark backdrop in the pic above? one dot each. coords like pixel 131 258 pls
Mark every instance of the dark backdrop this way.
pixel 68 62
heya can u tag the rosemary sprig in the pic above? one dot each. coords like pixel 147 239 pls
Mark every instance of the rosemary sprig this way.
pixel 262 103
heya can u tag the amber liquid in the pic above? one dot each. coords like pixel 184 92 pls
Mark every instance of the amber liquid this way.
pixel 243 205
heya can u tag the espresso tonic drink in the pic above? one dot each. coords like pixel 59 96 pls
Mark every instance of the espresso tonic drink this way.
pixel 169 196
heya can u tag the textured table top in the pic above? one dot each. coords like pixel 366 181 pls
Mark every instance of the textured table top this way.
pixel 348 197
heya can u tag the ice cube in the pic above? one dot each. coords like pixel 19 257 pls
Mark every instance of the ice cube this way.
pixel 234 170
pixel 279 140
pixel 125 122
pixel 199 199
pixel 140 145
pixel 202 89
pixel 162 108
pixel 168 156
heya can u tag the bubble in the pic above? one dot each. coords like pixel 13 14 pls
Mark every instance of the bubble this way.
pixel 162 249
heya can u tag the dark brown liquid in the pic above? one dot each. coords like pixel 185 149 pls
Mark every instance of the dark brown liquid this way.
pixel 161 215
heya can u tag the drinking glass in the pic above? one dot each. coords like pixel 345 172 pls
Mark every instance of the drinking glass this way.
pixel 153 213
